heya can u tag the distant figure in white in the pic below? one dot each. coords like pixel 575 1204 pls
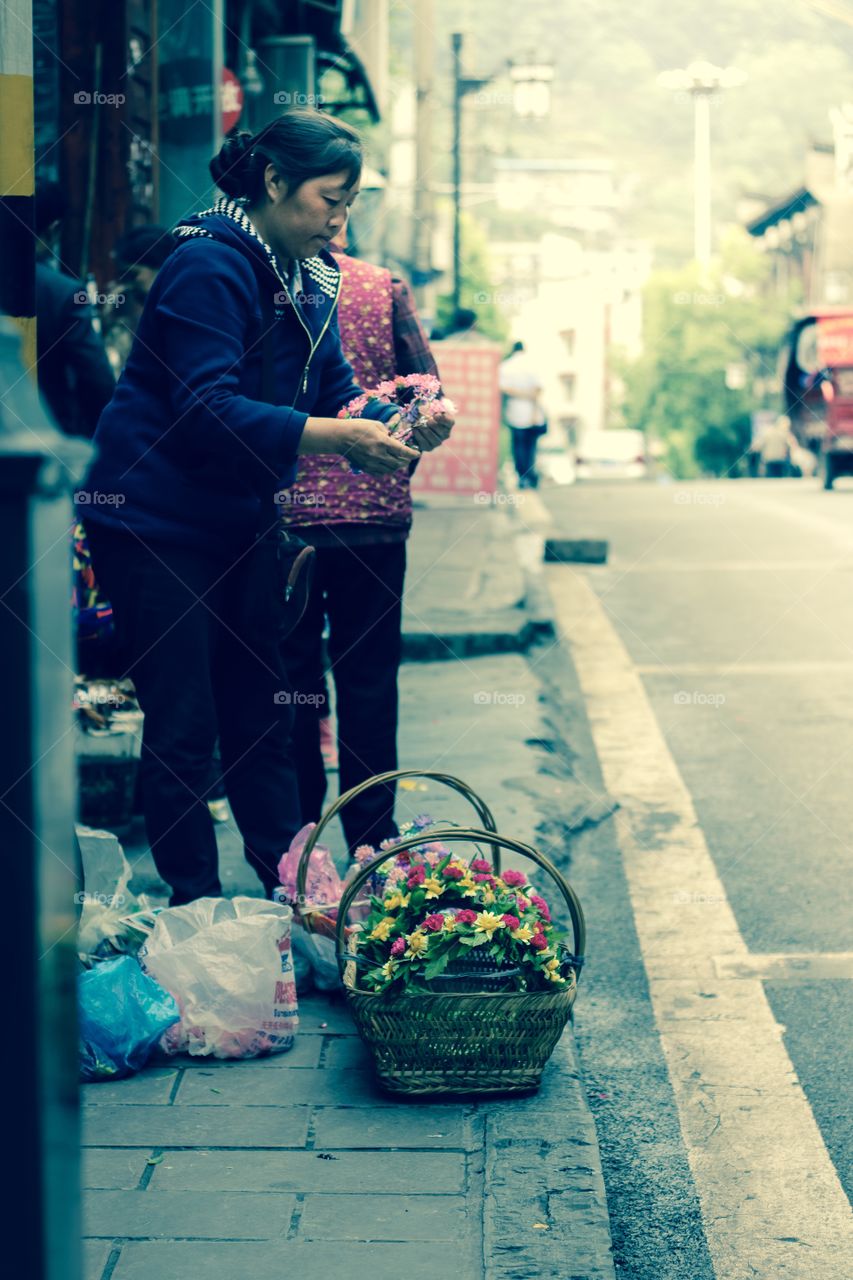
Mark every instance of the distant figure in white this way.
pixel 523 414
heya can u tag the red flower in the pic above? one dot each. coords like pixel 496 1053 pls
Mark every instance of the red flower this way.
pixel 511 922
pixel 541 906
pixel 466 917
pixel 398 946
pixel 434 922
pixel 480 864
pixel 513 879
pixel 417 875
pixel 453 873
pixel 539 942
pixel 485 879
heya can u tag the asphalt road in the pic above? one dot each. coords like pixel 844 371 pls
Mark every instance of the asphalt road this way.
pixel 734 601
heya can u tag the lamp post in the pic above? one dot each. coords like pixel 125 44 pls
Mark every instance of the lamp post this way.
pixel 531 99
pixel 701 80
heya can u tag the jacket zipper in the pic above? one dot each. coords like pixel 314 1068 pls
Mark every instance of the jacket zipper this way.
pixel 313 345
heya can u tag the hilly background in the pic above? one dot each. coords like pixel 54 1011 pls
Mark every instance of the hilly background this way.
pixel 606 102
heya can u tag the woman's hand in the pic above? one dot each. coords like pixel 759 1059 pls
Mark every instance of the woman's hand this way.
pixel 431 432
pixel 368 446
pixel 365 444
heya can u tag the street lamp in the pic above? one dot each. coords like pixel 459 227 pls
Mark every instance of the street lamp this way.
pixel 531 98
pixel 701 80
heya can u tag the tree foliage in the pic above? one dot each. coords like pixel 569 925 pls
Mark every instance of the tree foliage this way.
pixel 696 328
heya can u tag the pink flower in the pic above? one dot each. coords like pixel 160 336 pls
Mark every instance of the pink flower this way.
pixel 466 917
pixel 484 879
pixel 521 904
pixel 453 873
pixel 398 946
pixel 511 922
pixel 539 942
pixel 434 922
pixel 480 864
pixel 417 875
pixel 541 906
pixel 513 879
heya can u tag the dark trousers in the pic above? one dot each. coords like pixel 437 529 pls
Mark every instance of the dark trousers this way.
pixel 197 677
pixel 524 440
pixel 360 589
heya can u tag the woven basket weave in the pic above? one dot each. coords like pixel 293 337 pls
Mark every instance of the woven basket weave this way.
pixel 479 1042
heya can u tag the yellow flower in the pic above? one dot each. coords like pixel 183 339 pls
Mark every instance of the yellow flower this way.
pixel 555 977
pixel 553 964
pixel 388 968
pixel 397 899
pixel 450 923
pixel 523 933
pixel 488 896
pixel 468 885
pixel 418 943
pixel 381 931
pixel 487 922
pixel 434 887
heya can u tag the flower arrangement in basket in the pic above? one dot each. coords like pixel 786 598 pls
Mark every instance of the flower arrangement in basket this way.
pixel 442 923
pixel 417 396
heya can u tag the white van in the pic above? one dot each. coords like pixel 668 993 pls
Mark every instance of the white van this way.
pixel 611 455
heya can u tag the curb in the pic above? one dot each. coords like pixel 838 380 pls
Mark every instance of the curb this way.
pixel 545 1205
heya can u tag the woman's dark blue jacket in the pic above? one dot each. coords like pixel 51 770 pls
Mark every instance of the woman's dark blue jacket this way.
pixel 187 450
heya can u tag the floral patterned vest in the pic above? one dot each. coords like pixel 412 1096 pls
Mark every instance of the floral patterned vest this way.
pixel 326 492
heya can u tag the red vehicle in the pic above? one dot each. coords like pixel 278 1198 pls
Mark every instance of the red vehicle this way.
pixel 818 388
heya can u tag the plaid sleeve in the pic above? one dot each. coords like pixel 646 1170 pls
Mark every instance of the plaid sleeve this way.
pixel 411 348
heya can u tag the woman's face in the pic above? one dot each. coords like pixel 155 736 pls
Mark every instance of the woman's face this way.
pixel 301 224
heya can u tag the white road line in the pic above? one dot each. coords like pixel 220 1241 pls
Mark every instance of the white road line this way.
pixel 725 566
pixel 736 668
pixel 772 1203
pixel 788 966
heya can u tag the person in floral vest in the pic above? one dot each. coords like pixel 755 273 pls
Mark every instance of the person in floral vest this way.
pixel 359 525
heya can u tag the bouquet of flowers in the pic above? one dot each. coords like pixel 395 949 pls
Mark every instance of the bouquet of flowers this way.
pixel 435 908
pixel 416 396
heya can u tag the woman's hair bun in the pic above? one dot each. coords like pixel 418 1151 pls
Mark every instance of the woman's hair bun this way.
pixel 229 166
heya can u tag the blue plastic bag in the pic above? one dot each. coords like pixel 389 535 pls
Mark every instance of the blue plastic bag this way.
pixel 122 1014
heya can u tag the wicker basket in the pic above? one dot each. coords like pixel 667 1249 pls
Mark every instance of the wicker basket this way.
pixel 479 1042
pixel 316 920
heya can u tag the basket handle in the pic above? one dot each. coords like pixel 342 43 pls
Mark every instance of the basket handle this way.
pixel 469 836
pixel 447 779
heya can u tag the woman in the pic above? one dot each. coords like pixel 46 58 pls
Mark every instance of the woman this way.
pixel 235 371
pixel 359 526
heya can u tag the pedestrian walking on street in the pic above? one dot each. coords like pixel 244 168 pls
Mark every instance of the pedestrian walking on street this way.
pixel 236 370
pixel 359 525
pixel 521 388
pixel 776 447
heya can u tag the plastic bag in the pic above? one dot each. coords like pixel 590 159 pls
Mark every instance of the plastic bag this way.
pixel 323 887
pixel 228 963
pixel 122 1014
pixel 317 955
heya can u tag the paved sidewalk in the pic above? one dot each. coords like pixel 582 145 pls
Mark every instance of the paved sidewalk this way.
pixel 466 593
pixel 198 1170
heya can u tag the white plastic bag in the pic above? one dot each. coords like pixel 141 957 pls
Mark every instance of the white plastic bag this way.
pixel 229 965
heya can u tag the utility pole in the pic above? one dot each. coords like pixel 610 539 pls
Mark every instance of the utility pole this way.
pixel 701 81
pixel 422 214
pixel 456 46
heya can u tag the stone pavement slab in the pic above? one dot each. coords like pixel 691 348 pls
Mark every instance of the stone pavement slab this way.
pixel 117 1126
pixel 146 1215
pixel 365 1172
pixel 307 1260
pixel 397 1217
